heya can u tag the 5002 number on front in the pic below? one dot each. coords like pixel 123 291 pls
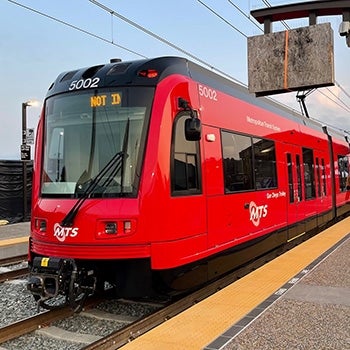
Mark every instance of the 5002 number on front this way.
pixel 207 92
pixel 84 83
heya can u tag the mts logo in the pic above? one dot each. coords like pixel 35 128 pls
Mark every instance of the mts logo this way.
pixel 257 212
pixel 62 232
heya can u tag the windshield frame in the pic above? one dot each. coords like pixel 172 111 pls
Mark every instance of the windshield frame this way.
pixel 133 99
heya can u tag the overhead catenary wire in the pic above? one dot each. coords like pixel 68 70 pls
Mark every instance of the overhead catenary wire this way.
pixel 342 104
pixel 222 18
pixel 143 29
pixel 75 27
pixel 283 22
pixel 163 40
pixel 244 14
pixel 114 13
pixel 342 89
pixel 124 47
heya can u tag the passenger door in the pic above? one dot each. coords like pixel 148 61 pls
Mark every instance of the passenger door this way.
pixel 187 216
pixel 295 191
pixel 324 199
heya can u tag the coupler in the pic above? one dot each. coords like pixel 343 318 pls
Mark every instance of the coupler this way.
pixel 51 279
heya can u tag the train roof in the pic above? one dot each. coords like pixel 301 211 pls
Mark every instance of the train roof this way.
pixel 130 73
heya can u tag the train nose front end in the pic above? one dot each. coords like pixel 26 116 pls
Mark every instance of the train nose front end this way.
pixel 56 282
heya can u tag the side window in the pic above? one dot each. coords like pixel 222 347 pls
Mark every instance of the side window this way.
pixel 343 172
pixel 324 178
pixel 309 175
pixel 238 162
pixel 185 161
pixel 290 178
pixel 318 174
pixel 249 163
pixel 300 187
pixel 265 163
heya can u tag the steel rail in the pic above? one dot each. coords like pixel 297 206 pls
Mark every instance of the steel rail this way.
pixel 15 273
pixel 10 275
pixel 27 325
pixel 13 260
pixel 43 319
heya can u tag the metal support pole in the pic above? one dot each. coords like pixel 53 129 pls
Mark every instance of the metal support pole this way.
pixel 312 18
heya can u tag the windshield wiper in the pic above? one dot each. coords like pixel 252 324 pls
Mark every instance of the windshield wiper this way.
pixel 116 163
pixel 124 150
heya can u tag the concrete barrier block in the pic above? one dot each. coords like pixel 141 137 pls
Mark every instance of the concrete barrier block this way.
pixel 292 60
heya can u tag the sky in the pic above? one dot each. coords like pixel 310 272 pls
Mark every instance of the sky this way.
pixel 36 48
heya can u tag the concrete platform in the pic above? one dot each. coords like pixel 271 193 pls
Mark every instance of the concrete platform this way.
pixel 14 239
pixel 312 313
pixel 300 300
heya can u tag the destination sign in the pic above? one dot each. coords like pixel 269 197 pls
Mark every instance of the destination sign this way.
pixel 103 100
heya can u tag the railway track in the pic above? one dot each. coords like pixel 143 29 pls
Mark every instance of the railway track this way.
pixel 13 260
pixel 47 324
pixel 6 270
pixel 19 328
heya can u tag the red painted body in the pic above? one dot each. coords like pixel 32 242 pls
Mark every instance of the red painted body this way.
pixel 173 231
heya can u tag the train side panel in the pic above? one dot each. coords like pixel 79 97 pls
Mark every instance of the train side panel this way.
pixel 175 223
pixel 295 203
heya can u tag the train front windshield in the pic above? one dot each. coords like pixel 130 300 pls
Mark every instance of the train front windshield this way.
pixel 94 142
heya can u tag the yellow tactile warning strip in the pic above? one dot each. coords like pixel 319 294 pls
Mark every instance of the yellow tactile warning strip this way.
pixel 201 324
pixel 12 241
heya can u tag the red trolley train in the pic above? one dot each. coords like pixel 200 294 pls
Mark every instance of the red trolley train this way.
pixel 157 175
